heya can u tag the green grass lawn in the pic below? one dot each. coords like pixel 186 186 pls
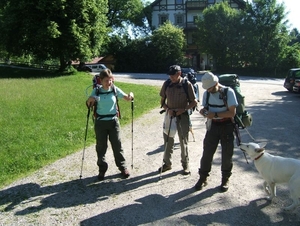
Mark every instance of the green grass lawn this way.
pixel 44 119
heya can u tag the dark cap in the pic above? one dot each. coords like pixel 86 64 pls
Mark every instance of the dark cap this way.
pixel 173 69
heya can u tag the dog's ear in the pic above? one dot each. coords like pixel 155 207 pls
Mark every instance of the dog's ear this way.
pixel 262 144
pixel 259 150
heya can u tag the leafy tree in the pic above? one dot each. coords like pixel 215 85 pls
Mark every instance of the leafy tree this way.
pixel 219 34
pixel 65 30
pixel 295 36
pixel 255 37
pixel 168 42
pixel 125 14
pixel 133 57
pixel 266 35
pixel 120 11
pixel 149 54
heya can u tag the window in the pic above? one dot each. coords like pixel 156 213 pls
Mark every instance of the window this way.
pixel 162 19
pixel 297 74
pixel 195 18
pixel 190 39
pixel 210 2
pixel 178 2
pixel 179 19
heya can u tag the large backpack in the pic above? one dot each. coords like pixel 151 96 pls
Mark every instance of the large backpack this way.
pixel 192 78
pixel 96 80
pixel 185 88
pixel 242 117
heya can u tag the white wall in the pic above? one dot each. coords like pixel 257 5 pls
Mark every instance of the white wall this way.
pixel 168 11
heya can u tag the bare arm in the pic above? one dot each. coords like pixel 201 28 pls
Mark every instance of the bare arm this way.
pixel 128 97
pixel 229 113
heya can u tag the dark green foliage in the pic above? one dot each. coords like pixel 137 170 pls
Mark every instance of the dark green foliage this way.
pixel 64 30
pixel 253 40
pixel 155 54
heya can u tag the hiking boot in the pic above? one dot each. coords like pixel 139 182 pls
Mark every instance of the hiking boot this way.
pixel 102 170
pixel 101 176
pixel 202 182
pixel 164 168
pixel 125 173
pixel 225 184
pixel 186 170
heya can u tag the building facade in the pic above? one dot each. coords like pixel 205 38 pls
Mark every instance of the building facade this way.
pixel 184 13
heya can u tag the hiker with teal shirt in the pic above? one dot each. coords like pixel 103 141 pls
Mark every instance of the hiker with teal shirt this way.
pixel 104 99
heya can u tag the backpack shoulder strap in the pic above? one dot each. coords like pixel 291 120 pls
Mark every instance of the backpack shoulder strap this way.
pixel 116 95
pixel 224 96
pixel 114 90
pixel 186 87
pixel 207 99
pixel 167 83
pixel 97 90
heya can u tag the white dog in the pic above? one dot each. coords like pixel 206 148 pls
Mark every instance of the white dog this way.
pixel 275 169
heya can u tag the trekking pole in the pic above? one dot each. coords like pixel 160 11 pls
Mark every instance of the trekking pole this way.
pixel 238 138
pixel 166 145
pixel 132 107
pixel 86 129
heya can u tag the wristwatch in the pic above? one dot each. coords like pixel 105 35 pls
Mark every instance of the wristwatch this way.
pixel 216 115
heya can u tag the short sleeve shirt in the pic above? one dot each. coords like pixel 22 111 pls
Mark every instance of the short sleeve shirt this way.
pixel 107 102
pixel 216 100
pixel 175 94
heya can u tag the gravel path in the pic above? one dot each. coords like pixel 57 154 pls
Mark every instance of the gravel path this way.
pixel 55 195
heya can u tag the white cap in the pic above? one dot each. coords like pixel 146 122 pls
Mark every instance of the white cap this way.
pixel 209 80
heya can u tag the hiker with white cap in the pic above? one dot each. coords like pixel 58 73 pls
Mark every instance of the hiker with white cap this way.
pixel 220 128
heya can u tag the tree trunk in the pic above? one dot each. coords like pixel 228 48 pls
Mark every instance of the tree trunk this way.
pixel 63 64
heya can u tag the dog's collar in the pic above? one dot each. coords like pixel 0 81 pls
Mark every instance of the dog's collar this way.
pixel 259 156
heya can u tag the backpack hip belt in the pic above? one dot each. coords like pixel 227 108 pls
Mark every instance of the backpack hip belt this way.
pixel 222 120
pixel 98 117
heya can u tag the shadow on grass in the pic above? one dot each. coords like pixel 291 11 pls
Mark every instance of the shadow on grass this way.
pixel 29 73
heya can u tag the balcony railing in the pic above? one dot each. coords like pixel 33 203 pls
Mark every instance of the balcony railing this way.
pixel 196 4
pixel 190 25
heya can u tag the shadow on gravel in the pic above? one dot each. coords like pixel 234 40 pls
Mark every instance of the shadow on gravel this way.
pixel 156 209
pixel 73 193
pixel 277 123
pixel 151 208
pixel 251 214
pixel 161 149
pixel 148 209
pixel 158 150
